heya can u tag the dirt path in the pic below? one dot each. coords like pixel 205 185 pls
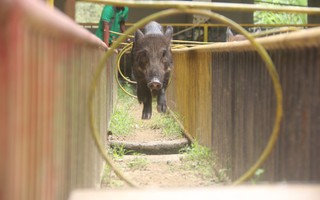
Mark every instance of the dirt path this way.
pixel 166 170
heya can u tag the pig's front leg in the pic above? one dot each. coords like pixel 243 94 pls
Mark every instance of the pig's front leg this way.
pixel 147 108
pixel 161 101
pixel 144 96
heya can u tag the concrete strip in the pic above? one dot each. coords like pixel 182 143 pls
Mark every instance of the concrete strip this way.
pixel 154 147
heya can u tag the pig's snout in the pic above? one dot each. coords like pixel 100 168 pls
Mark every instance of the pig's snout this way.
pixel 155 84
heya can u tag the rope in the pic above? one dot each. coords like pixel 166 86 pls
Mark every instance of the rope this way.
pixel 186 9
pixel 125 49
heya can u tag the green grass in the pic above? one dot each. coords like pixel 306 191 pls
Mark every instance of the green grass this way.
pixel 257 175
pixel 88 12
pixel 168 125
pixel 110 179
pixel 263 17
pixel 138 163
pixel 197 152
pixel 202 161
pixel 119 151
pixel 122 121
pixel 123 97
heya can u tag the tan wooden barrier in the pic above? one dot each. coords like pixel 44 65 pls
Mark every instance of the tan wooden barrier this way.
pixel 46 67
pixel 226 100
pixel 189 93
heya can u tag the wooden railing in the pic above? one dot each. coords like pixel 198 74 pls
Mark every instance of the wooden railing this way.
pixel 46 67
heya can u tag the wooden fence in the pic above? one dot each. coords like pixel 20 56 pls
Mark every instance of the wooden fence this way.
pixel 225 99
pixel 46 67
pixel 223 95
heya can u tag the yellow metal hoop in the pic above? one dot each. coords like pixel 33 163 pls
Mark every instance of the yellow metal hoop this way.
pixel 262 52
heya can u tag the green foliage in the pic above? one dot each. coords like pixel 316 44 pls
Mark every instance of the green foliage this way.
pixel 88 12
pixel 263 17
pixel 118 151
pixel 121 121
pixel 109 178
pixel 200 158
pixel 257 175
pixel 138 163
pixel 123 97
pixel 196 152
pixel 106 173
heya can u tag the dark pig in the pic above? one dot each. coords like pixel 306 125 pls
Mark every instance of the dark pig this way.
pixel 233 38
pixel 152 64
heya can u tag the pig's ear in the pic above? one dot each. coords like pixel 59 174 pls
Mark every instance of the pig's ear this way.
pixel 169 32
pixel 138 35
pixel 229 32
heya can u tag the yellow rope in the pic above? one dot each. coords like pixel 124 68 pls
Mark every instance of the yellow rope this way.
pixel 128 47
pixel 186 9
pixel 121 53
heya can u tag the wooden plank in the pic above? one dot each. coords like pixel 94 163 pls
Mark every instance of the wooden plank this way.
pixel 264 192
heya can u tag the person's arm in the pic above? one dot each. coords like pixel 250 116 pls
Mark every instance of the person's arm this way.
pixel 122 26
pixel 123 22
pixel 106 32
pixel 123 29
pixel 106 16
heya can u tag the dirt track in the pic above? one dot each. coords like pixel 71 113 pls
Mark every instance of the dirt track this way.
pixel 167 170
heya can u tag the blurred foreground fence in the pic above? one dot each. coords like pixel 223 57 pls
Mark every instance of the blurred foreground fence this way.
pixel 46 67
pixel 225 98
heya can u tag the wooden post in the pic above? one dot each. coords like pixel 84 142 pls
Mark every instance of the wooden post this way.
pixel 313 19
pixel 66 6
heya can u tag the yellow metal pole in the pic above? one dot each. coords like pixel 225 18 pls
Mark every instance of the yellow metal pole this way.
pixel 51 3
pixel 205 33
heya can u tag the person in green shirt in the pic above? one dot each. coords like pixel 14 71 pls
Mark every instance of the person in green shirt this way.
pixel 112 19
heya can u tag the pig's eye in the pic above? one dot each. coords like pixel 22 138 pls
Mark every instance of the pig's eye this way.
pixel 164 53
pixel 143 57
pixel 142 53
